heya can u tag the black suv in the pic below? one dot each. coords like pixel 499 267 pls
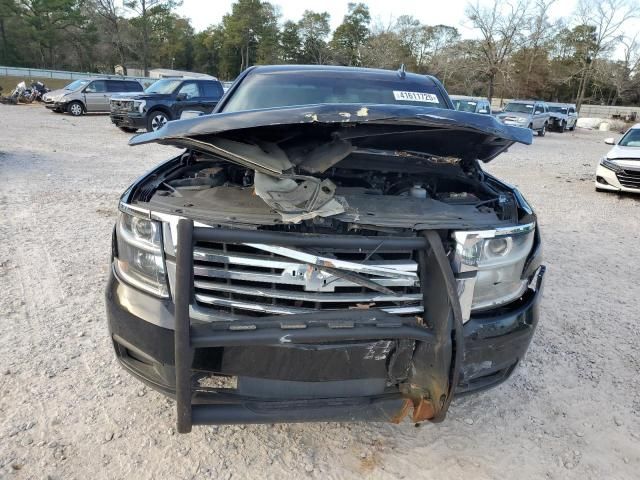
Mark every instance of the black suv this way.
pixel 163 101
pixel 327 247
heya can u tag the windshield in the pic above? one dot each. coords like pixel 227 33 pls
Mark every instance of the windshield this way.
pixel 75 85
pixel 287 88
pixel 163 86
pixel 631 138
pixel 465 105
pixel 558 110
pixel 519 107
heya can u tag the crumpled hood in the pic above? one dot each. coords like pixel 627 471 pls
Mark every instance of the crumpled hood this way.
pixel 433 131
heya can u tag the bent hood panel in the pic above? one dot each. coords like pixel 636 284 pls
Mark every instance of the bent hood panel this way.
pixel 428 130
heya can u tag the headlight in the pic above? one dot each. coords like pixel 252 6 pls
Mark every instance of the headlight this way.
pixel 521 120
pixel 498 258
pixel 139 260
pixel 610 165
pixel 139 105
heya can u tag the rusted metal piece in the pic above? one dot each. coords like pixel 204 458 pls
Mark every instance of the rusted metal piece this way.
pixel 423 411
pixel 406 406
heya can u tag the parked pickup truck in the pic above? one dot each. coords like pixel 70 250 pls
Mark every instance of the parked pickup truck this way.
pixel 563 116
pixel 163 101
pixel 530 114
pixel 327 247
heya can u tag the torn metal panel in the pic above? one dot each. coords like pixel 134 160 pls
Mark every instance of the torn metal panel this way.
pixel 296 201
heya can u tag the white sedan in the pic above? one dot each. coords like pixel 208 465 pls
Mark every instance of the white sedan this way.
pixel 619 169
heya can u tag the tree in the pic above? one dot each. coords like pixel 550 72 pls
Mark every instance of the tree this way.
pixel 351 34
pixel 314 28
pixel 500 28
pixel 290 43
pixel 607 17
pixel 251 35
pixel 145 9
pixel 109 12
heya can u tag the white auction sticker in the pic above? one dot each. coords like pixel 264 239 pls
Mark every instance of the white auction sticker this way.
pixel 415 96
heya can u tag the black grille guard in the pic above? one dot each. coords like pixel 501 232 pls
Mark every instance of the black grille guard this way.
pixel 437 356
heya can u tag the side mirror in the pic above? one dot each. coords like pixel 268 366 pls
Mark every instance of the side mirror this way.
pixel 610 141
pixel 181 96
pixel 190 114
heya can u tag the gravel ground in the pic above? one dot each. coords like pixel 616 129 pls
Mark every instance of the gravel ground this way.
pixel 67 410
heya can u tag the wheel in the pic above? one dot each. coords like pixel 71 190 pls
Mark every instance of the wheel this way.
pixel 572 128
pixel 156 120
pixel 562 127
pixel 128 129
pixel 75 108
pixel 542 131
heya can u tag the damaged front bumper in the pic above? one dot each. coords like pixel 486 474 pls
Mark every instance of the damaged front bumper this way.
pixel 354 365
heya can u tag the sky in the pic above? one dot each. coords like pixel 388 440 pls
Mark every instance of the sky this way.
pixel 204 13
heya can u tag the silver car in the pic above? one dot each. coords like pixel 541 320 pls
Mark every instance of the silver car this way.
pixel 88 95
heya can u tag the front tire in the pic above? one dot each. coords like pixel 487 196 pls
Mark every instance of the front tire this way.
pixel 156 120
pixel 562 127
pixel 75 108
pixel 542 131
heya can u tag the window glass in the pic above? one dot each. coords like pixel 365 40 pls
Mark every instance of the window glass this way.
pixel 519 107
pixel 116 86
pixel 539 109
pixel 631 138
pixel 97 86
pixel 163 86
pixel 327 87
pixel 465 105
pixel 190 89
pixel 211 89
pixel 133 87
pixel 77 84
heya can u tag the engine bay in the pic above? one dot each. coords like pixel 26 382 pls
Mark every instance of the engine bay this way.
pixel 370 188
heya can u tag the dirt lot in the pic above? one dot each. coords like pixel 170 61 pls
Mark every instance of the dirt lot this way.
pixel 67 410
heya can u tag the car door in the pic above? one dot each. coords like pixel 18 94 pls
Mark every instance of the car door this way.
pixel 538 116
pixel 211 94
pixel 96 98
pixel 187 98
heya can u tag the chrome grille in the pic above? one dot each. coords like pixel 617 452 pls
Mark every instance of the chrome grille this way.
pixel 232 281
pixel 629 178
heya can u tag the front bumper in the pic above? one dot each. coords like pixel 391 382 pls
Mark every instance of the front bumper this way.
pixel 607 179
pixel 56 105
pixel 143 338
pixel 128 120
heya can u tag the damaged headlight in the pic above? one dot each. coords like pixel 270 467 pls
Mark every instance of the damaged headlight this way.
pixel 498 259
pixel 138 105
pixel 139 260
